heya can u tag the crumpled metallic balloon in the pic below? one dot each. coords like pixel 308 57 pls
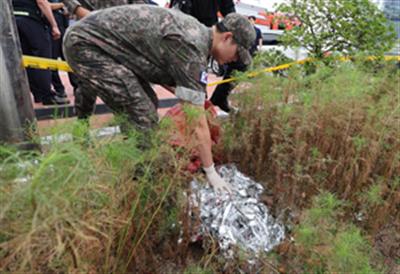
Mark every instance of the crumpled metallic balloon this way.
pixel 239 219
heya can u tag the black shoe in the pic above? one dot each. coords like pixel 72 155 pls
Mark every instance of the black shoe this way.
pixel 60 93
pixel 65 100
pixel 52 101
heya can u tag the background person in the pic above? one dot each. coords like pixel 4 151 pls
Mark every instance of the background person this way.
pixel 206 11
pixel 62 22
pixel 33 18
pixel 258 42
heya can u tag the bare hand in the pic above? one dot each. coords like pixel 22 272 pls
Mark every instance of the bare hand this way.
pixel 55 33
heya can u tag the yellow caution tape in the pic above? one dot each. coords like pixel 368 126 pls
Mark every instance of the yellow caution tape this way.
pixel 288 65
pixel 45 63
pixel 256 73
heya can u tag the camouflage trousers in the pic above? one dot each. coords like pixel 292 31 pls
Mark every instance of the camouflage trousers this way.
pixel 119 87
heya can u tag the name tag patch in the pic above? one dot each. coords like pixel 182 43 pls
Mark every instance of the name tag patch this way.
pixel 204 77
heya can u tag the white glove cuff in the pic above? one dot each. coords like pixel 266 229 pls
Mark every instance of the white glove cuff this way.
pixel 210 170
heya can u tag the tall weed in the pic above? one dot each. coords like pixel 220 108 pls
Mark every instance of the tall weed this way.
pixel 335 130
pixel 328 245
pixel 91 205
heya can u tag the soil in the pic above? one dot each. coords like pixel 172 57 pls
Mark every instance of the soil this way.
pixel 387 242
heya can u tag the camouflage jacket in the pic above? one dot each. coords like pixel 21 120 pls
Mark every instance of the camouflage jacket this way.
pixel 102 4
pixel 161 46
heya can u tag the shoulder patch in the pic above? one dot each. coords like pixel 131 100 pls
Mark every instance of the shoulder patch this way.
pixel 203 77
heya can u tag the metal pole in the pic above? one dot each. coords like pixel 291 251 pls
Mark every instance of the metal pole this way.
pixel 16 109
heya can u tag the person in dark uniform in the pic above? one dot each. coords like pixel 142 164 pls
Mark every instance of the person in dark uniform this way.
pixel 34 18
pixel 62 22
pixel 259 41
pixel 206 11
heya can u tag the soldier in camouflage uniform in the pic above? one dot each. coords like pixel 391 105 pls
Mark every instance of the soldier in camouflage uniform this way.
pixel 103 4
pixel 85 106
pixel 85 6
pixel 118 52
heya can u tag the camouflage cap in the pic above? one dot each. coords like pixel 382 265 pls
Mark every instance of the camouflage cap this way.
pixel 243 34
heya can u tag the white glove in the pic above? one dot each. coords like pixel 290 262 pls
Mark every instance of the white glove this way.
pixel 216 181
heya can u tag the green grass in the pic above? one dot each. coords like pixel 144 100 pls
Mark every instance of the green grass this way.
pixel 197 270
pixel 350 253
pixel 332 245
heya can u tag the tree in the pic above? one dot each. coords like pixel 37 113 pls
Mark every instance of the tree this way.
pixel 345 26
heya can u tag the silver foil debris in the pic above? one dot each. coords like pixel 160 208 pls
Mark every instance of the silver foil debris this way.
pixel 239 219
